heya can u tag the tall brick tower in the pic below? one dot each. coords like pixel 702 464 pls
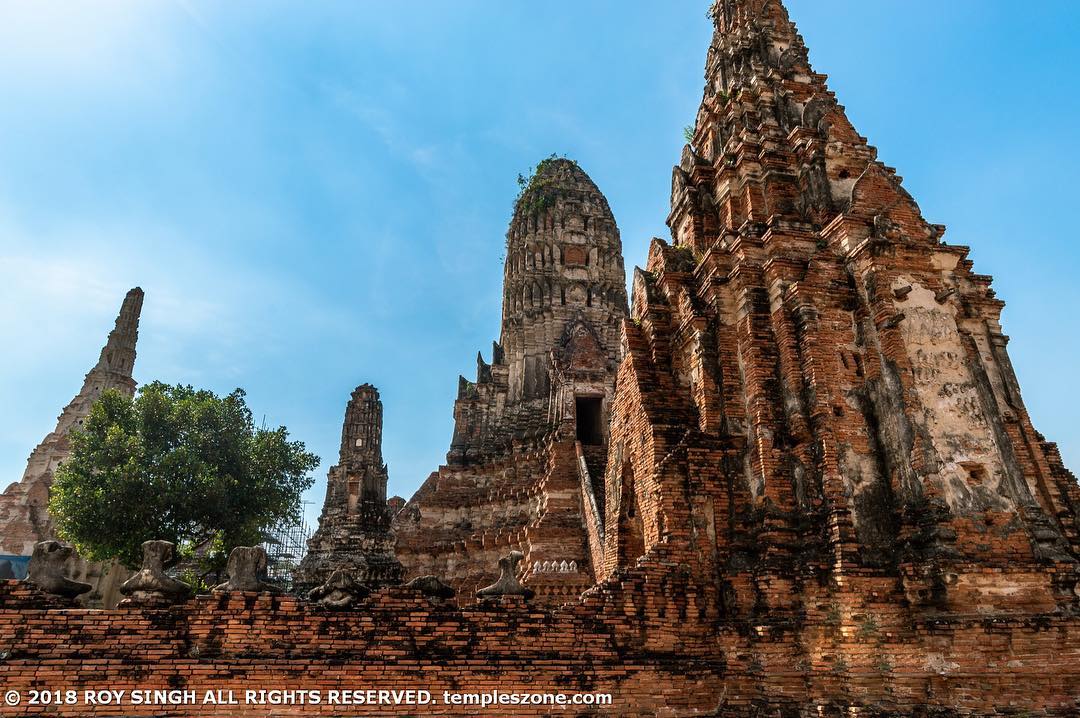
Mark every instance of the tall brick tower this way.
pixel 23 518
pixel 563 264
pixel 563 280
pixel 354 528
pixel 526 461
pixel 817 385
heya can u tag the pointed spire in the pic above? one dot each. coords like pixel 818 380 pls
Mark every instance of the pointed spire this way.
pixel 118 354
pixel 483 369
pixel 751 39
pixel 23 517
pixel 361 431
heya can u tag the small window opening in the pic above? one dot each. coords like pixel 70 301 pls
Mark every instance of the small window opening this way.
pixel 590 429
pixel 976 473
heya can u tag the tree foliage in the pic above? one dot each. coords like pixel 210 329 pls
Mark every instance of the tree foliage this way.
pixel 178 464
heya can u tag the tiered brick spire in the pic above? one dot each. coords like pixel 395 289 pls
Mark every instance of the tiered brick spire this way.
pixel 23 518
pixel 563 263
pixel 824 380
pixel 563 267
pixel 354 529
pixel 516 470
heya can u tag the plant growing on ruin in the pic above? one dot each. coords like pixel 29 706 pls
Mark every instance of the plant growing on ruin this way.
pixel 868 628
pixel 833 617
pixel 536 190
pixel 882 664
pixel 178 464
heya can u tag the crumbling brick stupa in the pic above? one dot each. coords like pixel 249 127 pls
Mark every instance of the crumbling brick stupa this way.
pixel 816 385
pixel 24 519
pixel 354 528
pixel 526 463
pixel 821 493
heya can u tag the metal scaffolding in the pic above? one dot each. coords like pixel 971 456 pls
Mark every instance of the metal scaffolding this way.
pixel 286 544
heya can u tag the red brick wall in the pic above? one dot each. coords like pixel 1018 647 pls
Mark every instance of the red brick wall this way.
pixel 657 641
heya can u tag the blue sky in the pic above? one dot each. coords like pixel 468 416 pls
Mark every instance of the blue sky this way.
pixel 314 195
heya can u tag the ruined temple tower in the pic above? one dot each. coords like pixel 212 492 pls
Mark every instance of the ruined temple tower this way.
pixel 530 434
pixel 354 528
pixel 817 386
pixel 23 517
pixel 819 492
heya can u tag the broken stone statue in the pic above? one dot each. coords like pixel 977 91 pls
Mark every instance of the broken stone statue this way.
pixel 339 591
pixel 46 570
pixel 431 586
pixel 508 583
pixel 246 569
pixel 151 584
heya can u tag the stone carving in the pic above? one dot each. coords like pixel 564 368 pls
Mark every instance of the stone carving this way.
pixel 942 296
pixel 431 586
pixel 340 591
pixel 555 567
pixel 151 584
pixel 246 568
pixel 508 583
pixel 46 570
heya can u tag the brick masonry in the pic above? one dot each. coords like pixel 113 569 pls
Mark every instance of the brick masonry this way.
pixel 821 496
pixel 24 519
pixel 354 528
pixel 655 639
pixel 516 469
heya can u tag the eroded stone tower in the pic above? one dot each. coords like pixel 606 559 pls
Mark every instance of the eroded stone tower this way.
pixel 824 496
pixel 817 386
pixel 530 433
pixel 354 528
pixel 563 286
pixel 23 517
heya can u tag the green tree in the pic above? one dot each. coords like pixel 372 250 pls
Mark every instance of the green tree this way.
pixel 178 464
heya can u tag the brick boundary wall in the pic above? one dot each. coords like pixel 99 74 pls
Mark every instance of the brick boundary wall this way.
pixel 859 652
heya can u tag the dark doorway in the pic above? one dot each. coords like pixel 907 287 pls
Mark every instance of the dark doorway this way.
pixel 590 428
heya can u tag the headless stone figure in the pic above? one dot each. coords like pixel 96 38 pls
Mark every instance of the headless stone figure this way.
pixel 150 584
pixel 246 567
pixel 508 583
pixel 340 591
pixel 46 570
